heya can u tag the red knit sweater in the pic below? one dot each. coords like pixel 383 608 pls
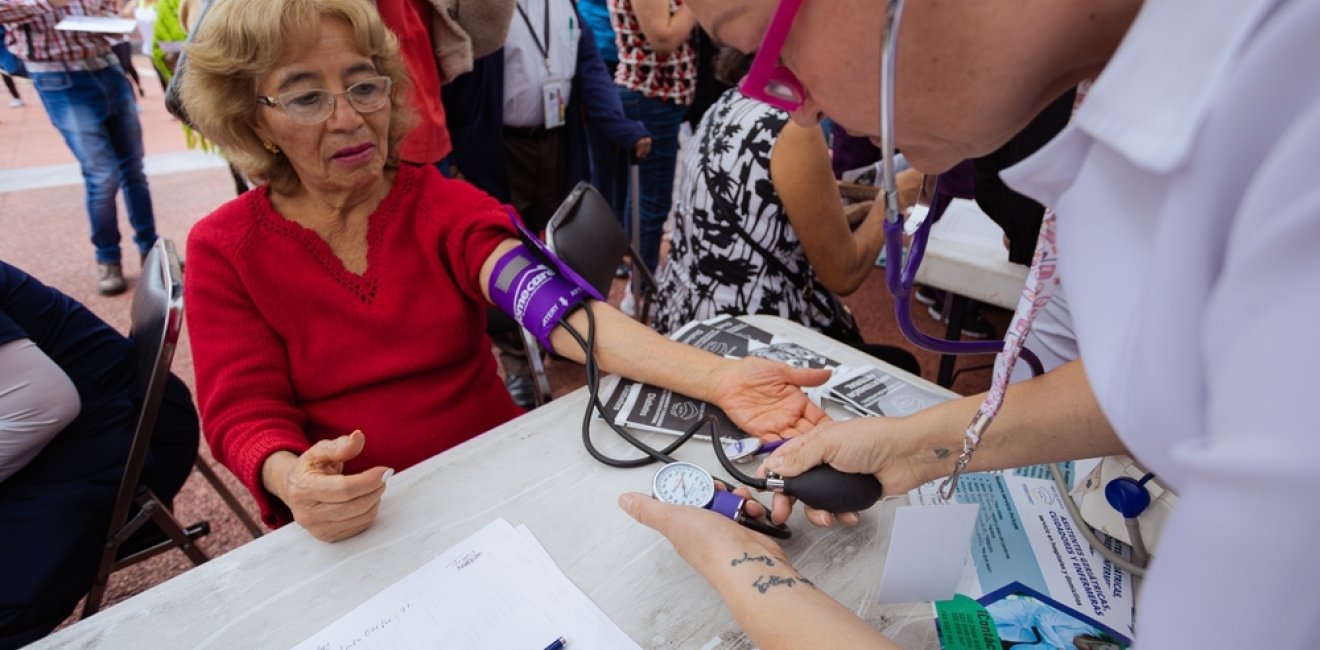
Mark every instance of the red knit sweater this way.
pixel 291 348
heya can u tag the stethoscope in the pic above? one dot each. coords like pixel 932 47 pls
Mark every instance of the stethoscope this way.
pixel 899 278
pixel 1127 495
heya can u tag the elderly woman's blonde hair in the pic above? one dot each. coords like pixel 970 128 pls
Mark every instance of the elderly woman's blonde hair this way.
pixel 239 41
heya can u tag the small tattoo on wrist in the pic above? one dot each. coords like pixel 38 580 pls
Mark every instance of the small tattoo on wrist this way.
pixel 941 453
pixel 748 558
pixel 765 583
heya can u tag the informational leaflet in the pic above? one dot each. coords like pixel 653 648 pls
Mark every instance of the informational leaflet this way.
pixel 794 355
pixel 1017 616
pixel 648 408
pixel 871 391
pixel 724 335
pixel 733 339
pixel 1025 535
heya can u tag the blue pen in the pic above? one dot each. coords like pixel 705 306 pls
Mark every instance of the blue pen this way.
pixel 771 446
pixel 557 644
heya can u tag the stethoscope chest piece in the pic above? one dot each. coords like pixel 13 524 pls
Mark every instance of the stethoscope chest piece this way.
pixel 743 450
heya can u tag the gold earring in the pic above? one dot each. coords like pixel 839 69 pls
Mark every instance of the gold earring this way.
pixel 274 150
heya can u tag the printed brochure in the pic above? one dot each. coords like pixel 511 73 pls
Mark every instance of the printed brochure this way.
pixel 1025 535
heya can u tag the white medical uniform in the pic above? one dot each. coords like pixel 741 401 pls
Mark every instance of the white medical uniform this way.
pixel 1188 194
pixel 525 69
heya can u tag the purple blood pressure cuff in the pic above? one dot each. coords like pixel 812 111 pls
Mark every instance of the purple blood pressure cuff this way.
pixel 534 287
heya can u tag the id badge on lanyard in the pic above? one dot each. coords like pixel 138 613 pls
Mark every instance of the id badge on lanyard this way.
pixel 555 91
pixel 554 94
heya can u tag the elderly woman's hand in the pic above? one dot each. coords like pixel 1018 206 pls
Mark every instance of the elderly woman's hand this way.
pixel 764 398
pixel 329 504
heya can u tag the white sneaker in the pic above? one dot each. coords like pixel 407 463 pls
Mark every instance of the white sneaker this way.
pixel 16 103
pixel 628 305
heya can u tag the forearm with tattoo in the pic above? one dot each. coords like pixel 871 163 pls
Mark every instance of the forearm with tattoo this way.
pixel 765 583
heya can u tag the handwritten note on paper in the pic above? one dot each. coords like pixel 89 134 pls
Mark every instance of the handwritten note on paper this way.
pixel 495 589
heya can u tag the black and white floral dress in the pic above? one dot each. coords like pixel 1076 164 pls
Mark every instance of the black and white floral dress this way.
pixel 732 250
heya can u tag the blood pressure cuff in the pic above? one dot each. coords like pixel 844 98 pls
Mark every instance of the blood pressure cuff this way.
pixel 534 287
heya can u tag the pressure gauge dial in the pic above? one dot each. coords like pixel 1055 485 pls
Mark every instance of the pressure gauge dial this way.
pixel 683 484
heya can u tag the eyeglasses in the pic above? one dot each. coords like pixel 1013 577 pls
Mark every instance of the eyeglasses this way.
pixel 767 81
pixel 316 106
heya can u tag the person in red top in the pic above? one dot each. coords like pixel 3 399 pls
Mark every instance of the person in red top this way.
pixel 428 143
pixel 428 31
pixel 337 312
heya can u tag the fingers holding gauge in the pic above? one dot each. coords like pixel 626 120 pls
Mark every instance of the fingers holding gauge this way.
pixel 686 484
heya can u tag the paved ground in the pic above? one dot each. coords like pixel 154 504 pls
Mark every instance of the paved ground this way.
pixel 45 232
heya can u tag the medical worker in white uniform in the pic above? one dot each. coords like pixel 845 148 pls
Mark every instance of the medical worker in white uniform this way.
pixel 1188 193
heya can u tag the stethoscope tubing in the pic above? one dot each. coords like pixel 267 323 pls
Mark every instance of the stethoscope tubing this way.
pixel 900 274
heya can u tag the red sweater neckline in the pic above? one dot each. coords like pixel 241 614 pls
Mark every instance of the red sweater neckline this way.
pixel 363 286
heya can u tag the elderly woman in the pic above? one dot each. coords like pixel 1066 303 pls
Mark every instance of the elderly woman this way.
pixel 337 313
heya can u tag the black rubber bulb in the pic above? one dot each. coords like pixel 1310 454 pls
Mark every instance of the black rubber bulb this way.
pixel 826 488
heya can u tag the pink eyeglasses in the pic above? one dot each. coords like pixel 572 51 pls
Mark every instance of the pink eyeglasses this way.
pixel 767 81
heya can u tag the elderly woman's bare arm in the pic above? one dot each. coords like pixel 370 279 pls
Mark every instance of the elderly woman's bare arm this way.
pixel 763 397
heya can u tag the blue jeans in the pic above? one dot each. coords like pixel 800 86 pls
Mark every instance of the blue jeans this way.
pixel 662 119
pixel 609 173
pixel 97 116
pixel 11 64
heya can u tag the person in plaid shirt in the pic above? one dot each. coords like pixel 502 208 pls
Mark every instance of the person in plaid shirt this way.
pixel 90 101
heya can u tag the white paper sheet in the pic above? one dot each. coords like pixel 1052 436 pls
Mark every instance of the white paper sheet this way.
pixel 495 589
pixel 927 551
pixel 98 24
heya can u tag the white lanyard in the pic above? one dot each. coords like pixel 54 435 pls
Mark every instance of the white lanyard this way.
pixel 1041 280
pixel 544 48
